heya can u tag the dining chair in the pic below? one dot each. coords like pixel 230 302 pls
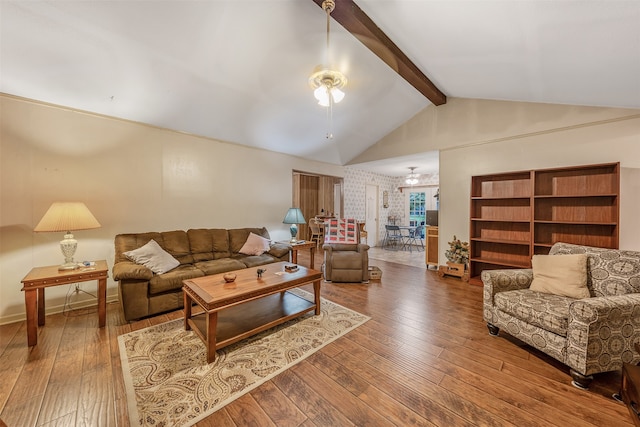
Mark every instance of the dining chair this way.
pixel 412 238
pixel 363 232
pixel 315 232
pixel 393 237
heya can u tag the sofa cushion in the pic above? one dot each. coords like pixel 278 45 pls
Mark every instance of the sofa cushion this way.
pixel 346 260
pixel 209 243
pixel 131 241
pixel 222 265
pixel 177 244
pixel 152 256
pixel 257 260
pixel 172 280
pixel 564 275
pixel 255 245
pixel 611 271
pixel 279 250
pixel 238 236
pixel 546 311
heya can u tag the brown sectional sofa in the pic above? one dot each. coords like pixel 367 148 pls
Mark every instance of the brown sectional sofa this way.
pixel 200 252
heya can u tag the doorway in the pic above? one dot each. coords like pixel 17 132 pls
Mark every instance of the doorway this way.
pixel 417 202
pixel 316 195
pixel 371 214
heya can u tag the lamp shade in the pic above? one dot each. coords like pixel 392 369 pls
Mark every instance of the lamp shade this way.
pixel 294 216
pixel 67 216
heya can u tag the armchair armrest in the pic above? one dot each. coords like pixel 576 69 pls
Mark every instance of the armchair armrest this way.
pixel 279 249
pixel 131 270
pixel 602 331
pixel 505 280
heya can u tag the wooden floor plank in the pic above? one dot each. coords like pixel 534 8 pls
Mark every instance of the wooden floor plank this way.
pixel 63 390
pixel 278 406
pixel 310 402
pixel 8 333
pixel 246 408
pixel 30 387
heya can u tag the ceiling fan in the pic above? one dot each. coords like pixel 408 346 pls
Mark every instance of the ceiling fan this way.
pixel 354 20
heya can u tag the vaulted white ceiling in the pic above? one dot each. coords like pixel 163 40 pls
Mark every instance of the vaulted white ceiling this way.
pixel 237 70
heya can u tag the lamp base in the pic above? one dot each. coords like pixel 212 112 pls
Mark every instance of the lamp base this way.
pixel 294 232
pixel 67 266
pixel 68 247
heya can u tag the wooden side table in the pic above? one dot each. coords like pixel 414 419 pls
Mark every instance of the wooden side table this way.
pixel 40 278
pixel 295 247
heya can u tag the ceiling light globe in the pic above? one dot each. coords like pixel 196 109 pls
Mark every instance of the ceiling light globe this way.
pixel 322 95
pixel 337 95
pixel 411 181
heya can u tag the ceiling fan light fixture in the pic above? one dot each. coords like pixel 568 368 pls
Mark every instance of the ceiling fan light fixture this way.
pixel 412 178
pixel 327 85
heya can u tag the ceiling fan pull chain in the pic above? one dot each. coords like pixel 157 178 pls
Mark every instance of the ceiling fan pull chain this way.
pixel 330 119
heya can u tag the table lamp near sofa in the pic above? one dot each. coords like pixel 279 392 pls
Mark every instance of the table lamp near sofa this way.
pixel 294 217
pixel 67 217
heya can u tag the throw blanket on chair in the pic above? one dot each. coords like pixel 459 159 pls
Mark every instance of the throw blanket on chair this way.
pixel 344 230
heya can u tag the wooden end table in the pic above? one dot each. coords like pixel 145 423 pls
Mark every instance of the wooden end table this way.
pixel 40 278
pixel 250 304
pixel 299 246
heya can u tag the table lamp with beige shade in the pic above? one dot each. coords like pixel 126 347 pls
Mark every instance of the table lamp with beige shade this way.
pixel 67 217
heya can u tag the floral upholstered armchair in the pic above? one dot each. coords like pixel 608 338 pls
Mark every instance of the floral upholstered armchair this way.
pixel 591 334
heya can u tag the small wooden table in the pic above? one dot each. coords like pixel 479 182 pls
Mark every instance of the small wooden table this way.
pixel 301 245
pixel 40 278
pixel 234 311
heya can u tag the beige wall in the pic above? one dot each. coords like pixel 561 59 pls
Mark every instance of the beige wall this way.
pixel 478 137
pixel 133 178
pixel 463 122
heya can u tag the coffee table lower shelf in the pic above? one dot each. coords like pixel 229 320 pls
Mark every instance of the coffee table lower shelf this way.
pixel 233 324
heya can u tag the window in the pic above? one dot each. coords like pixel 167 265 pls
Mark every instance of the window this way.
pixel 417 208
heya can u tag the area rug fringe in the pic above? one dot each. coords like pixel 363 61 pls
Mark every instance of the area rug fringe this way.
pixel 169 383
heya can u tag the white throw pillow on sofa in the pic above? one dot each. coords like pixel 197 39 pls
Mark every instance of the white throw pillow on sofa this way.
pixel 255 245
pixel 153 257
pixel 564 275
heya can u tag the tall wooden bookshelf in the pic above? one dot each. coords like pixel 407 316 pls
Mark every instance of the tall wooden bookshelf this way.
pixel 515 215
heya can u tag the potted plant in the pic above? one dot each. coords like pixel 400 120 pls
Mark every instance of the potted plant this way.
pixel 458 257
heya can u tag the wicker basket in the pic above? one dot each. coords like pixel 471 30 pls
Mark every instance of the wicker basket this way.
pixel 375 273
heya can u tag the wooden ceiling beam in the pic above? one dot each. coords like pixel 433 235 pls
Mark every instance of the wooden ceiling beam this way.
pixel 353 19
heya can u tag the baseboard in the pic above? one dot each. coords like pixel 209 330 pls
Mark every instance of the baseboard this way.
pixel 19 317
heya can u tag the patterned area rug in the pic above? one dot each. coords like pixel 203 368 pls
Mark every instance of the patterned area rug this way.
pixel 169 382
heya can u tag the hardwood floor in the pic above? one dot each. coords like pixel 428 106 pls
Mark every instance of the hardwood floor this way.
pixel 425 358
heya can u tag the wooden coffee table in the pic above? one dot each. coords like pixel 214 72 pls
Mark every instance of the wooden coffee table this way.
pixel 234 311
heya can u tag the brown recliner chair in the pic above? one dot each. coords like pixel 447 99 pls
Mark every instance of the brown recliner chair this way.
pixel 345 260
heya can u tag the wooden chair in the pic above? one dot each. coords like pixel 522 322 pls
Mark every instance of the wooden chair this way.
pixel 363 232
pixel 315 232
